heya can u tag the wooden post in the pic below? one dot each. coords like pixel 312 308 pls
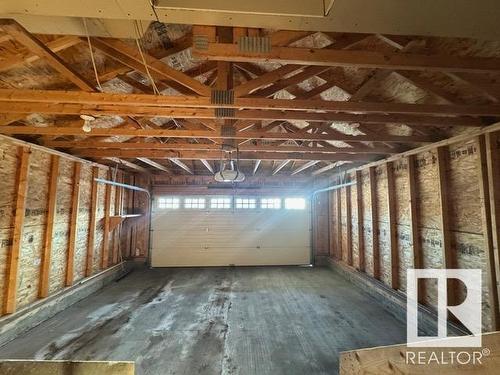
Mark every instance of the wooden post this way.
pixel 491 154
pixel 361 238
pixel 92 222
pixel 348 225
pixel 415 242
pixel 118 212
pixel 107 212
pixel 449 260
pixel 339 225
pixel 12 266
pixel 374 223
pixel 43 290
pixel 331 199
pixel 393 230
pixel 73 224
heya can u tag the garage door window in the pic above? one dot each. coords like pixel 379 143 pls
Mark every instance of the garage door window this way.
pixel 220 203
pixel 295 203
pixel 169 203
pixel 270 203
pixel 197 203
pixel 246 203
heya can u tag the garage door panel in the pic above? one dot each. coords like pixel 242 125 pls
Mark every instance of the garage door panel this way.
pixel 230 237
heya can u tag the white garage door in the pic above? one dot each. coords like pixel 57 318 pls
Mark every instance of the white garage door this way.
pixel 222 231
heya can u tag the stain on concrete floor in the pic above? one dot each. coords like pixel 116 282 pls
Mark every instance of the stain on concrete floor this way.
pixel 251 320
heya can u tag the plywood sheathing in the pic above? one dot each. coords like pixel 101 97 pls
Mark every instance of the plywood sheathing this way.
pixel 35 221
pixel 464 212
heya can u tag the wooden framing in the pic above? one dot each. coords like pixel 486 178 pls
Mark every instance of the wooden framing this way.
pixel 393 232
pixel 348 225
pixel 414 229
pixel 449 260
pixel 12 265
pixel 493 168
pixel 19 33
pixel 144 104
pixel 487 231
pixel 43 290
pixel 360 218
pixel 339 224
pixel 374 223
pixel 92 223
pixel 73 224
pixel 358 59
pixel 107 214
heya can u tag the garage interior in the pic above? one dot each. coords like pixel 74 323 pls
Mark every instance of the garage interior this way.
pixel 240 188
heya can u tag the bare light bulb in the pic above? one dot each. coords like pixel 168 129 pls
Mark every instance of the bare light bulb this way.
pixel 86 124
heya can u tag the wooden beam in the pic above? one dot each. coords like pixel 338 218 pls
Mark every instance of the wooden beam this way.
pixel 12 262
pixel 304 167
pixel 349 58
pixel 207 165
pixel 280 166
pixel 56 45
pixel 449 260
pixel 339 224
pixel 127 164
pixel 76 102
pixel 23 36
pixel 107 214
pixel 117 212
pixel 361 234
pixel 73 224
pixel 160 133
pixel 416 248
pixel 265 79
pixel 182 165
pixel 217 146
pixel 43 290
pixel 493 165
pixel 484 190
pixel 215 155
pixel 154 164
pixel 374 223
pixel 92 223
pixel 122 52
pixel 256 166
pixel 393 230
pixel 350 257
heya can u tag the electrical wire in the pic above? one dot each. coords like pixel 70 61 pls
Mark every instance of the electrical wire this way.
pixel 137 35
pixel 92 54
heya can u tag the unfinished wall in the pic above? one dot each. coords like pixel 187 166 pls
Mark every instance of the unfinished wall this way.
pixel 55 222
pixel 450 223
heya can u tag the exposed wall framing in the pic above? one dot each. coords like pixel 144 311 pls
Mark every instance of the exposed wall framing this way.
pixel 433 207
pixel 52 227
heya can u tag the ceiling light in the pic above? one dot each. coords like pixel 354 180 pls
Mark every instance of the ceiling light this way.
pixel 87 120
pixel 229 172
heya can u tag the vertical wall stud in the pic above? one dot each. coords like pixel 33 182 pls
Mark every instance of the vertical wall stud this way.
pixel 415 241
pixel 339 225
pixel 12 266
pixel 107 212
pixel 492 212
pixel 449 260
pixel 374 223
pixel 361 238
pixel 43 290
pixel 92 223
pixel 73 224
pixel 393 233
pixel 348 225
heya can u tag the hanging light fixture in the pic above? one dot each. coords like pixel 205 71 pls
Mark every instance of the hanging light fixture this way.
pixel 87 121
pixel 229 170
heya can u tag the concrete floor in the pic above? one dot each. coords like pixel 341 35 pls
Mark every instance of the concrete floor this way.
pixel 275 320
